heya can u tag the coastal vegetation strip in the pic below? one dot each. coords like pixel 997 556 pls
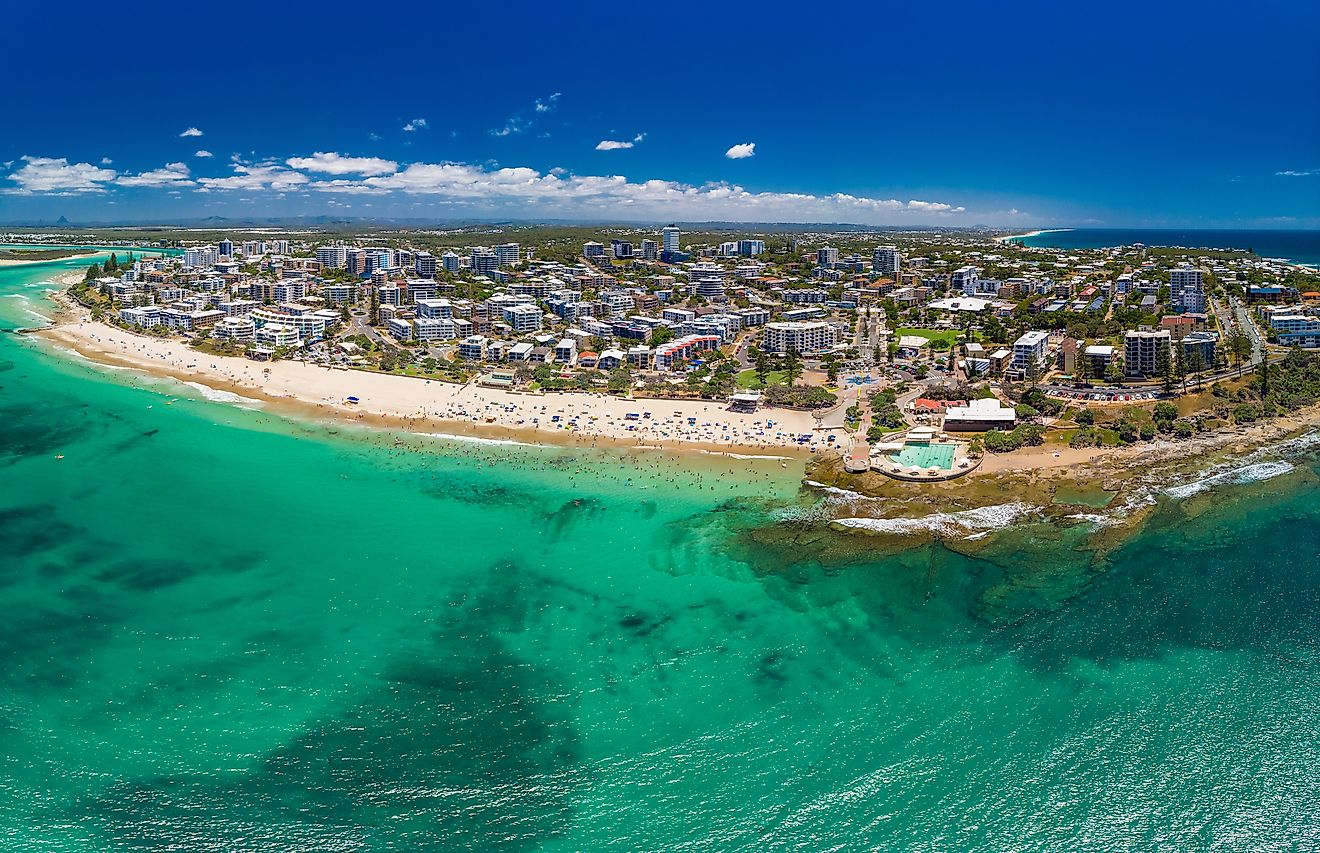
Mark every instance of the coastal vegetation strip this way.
pixel 41 255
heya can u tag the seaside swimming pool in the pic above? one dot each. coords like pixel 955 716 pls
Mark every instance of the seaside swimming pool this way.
pixel 926 455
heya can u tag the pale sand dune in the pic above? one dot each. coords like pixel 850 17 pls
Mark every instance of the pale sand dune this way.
pixel 442 407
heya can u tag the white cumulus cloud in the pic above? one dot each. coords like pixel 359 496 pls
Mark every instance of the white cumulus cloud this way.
pixel 492 190
pixel 1298 173
pixel 616 144
pixel 331 163
pixel 203 153
pixel 57 174
pixel 257 177
pixel 741 151
pixel 933 206
pixel 558 192
pixel 169 175
pixel 415 124
pixel 192 131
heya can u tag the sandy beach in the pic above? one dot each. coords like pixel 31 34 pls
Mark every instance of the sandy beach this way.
pixel 1006 237
pixel 432 406
pixel 435 407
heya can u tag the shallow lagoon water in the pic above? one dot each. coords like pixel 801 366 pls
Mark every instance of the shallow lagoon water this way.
pixel 227 630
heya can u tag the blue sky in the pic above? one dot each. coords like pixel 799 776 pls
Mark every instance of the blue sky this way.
pixel 1021 114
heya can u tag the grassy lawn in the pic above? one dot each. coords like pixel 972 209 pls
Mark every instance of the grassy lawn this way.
pixel 747 379
pixel 946 336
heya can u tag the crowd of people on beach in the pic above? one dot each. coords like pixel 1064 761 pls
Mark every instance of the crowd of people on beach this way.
pixel 571 417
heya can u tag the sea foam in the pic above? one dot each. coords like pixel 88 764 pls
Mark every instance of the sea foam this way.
pixel 985 518
pixel 1253 473
pixel 476 439
pixel 215 395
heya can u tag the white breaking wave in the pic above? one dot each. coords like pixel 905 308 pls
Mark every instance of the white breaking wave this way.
pixel 1097 519
pixel 476 439
pixel 742 455
pixel 1253 473
pixel 1301 442
pixel 215 395
pixel 985 518
pixel 836 492
pixel 73 353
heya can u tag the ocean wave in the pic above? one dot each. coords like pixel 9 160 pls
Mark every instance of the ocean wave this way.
pixel 1252 473
pixel 1303 442
pixel 476 439
pixel 100 365
pixel 1097 519
pixel 838 493
pixel 743 455
pixel 215 395
pixel 73 353
pixel 985 518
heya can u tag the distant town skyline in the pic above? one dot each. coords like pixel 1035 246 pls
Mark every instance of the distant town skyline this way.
pixel 1157 116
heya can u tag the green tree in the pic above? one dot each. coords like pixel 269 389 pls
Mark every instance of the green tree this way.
pixel 661 335
pixel 1033 373
pixel 1114 372
pixel 1082 367
pixel 620 380
pixel 1240 346
pixel 762 361
pixel 832 369
pixel 1195 363
pixel 1164 367
pixel 792 366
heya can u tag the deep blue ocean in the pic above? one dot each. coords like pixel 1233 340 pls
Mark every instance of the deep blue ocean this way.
pixel 1301 247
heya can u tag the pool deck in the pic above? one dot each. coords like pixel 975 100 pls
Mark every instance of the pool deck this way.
pixel 900 471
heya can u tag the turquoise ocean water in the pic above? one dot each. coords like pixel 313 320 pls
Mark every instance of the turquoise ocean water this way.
pixel 225 630
pixel 1298 246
